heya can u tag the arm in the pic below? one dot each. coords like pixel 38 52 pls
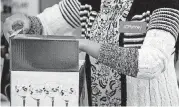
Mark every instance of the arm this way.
pixel 152 58
pixel 61 18
pixel 66 16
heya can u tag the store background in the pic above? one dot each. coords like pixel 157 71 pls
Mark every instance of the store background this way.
pixel 31 7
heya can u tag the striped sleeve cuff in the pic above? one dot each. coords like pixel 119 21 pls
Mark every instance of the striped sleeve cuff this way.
pixel 124 60
pixel 70 10
pixel 165 19
pixel 80 13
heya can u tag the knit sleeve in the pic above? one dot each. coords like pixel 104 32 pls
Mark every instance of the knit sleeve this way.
pixel 155 53
pixel 66 17
pixel 61 18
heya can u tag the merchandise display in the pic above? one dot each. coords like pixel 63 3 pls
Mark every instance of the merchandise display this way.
pixel 44 71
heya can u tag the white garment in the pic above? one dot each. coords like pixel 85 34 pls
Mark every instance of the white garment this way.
pixel 156 82
pixel 54 23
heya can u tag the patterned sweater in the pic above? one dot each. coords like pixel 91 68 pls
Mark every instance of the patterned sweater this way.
pixel 140 72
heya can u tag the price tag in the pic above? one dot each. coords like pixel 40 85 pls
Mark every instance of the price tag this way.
pixel 133 27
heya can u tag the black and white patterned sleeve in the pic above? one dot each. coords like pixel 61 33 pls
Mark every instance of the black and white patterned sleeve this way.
pixel 155 53
pixel 70 12
pixel 67 16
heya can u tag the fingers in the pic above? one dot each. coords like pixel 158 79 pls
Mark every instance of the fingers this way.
pixel 137 17
pixel 147 19
pixel 14 23
pixel 17 25
pixel 133 34
pixel 21 22
pixel 145 15
pixel 139 34
pixel 143 20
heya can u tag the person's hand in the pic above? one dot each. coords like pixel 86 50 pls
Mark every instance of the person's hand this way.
pixel 14 23
pixel 90 47
pixel 145 17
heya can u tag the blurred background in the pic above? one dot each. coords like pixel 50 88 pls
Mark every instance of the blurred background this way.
pixel 29 7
